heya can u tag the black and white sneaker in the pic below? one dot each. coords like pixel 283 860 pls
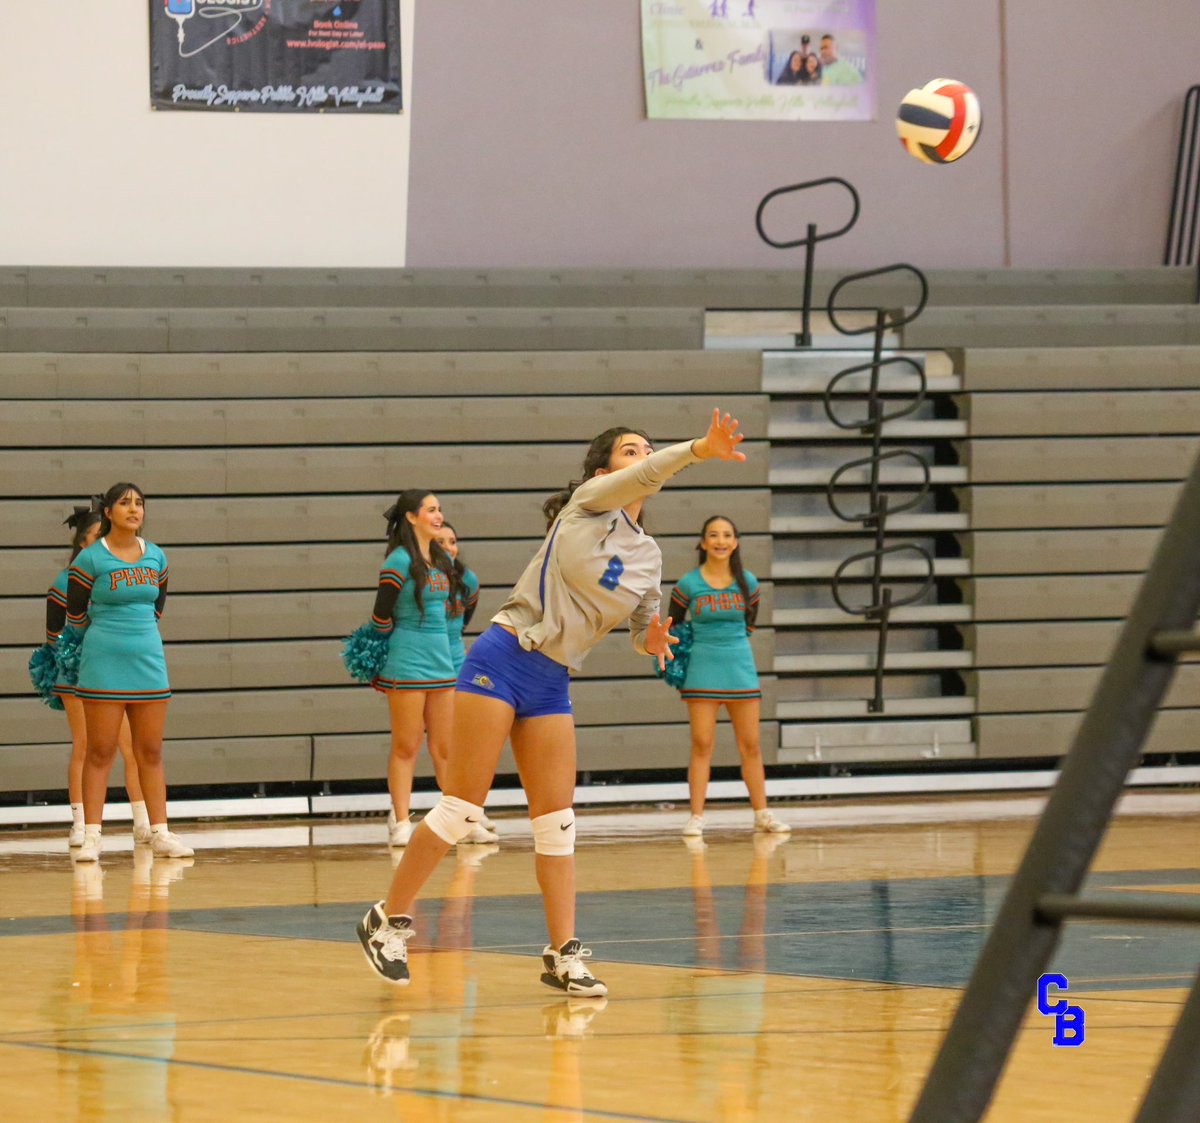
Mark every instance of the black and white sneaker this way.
pixel 565 970
pixel 384 941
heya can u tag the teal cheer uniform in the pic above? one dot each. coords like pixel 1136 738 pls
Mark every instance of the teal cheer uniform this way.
pixel 56 620
pixel 418 655
pixel 721 666
pixel 457 621
pixel 121 657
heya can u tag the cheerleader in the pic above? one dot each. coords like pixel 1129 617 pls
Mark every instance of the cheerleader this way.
pixel 595 569
pixel 117 588
pixel 417 676
pixel 85 523
pixel 459 613
pixel 458 616
pixel 722 596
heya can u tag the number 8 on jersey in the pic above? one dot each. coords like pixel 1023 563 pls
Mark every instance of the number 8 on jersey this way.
pixel 611 577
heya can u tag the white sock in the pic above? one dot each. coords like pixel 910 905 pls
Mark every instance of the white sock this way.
pixel 77 814
pixel 91 830
pixel 159 828
pixel 140 815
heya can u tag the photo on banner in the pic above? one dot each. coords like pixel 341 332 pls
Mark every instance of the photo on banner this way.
pixel 760 60
pixel 276 56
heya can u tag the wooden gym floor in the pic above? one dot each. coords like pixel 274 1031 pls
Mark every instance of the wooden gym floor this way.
pixel 750 978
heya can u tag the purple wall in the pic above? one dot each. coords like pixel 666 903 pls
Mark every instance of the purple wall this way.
pixel 1095 92
pixel 530 146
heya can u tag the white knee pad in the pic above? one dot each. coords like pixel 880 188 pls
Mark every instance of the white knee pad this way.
pixel 452 818
pixel 554 833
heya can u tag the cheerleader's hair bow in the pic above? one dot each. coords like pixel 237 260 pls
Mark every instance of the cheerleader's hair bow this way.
pixel 79 513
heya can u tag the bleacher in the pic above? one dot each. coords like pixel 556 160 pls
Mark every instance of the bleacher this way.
pixel 271 416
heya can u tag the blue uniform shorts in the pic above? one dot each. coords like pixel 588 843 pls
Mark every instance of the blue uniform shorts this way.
pixel 497 666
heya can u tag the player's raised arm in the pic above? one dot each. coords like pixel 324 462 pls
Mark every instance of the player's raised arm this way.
pixel 608 491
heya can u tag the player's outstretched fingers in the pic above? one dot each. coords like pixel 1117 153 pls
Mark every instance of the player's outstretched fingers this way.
pixel 658 635
pixel 722 438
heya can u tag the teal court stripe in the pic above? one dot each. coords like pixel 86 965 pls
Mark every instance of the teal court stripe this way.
pixel 917 932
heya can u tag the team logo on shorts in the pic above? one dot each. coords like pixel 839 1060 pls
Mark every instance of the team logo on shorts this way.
pixel 484 681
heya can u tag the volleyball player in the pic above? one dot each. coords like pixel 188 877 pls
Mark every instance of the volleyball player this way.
pixel 595 569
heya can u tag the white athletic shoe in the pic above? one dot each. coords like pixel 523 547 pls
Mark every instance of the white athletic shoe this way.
pixel 398 832
pixel 384 942
pixel 141 833
pixel 487 824
pixel 479 834
pixel 75 835
pixel 89 849
pixel 565 970
pixel 766 822
pixel 694 827
pixel 168 845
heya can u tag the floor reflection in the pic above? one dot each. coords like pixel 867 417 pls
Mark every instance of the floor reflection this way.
pixel 118 995
pixel 764 977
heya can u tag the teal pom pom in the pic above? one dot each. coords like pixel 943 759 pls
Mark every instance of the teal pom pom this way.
pixel 676 670
pixel 364 652
pixel 43 673
pixel 66 654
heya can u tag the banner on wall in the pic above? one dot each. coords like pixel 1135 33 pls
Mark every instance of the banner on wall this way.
pixel 759 60
pixel 276 56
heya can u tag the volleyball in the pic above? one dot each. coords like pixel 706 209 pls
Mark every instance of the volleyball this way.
pixel 939 122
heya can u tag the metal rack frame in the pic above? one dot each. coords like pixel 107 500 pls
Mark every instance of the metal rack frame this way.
pixel 878 610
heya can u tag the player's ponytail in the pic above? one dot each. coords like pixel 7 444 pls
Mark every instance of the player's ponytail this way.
pixel 599 455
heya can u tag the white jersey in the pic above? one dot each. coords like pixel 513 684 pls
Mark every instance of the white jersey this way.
pixel 596 567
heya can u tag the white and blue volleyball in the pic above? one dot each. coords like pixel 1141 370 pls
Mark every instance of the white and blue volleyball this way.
pixel 940 122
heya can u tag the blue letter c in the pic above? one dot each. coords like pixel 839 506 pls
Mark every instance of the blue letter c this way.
pixel 1043 984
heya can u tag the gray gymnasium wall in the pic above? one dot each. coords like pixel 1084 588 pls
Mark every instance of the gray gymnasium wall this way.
pixel 530 147
pixel 1095 91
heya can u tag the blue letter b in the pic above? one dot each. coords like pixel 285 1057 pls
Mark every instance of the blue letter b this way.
pixel 1069 1027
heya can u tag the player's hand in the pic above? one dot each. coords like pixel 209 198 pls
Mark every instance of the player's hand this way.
pixel 659 640
pixel 721 441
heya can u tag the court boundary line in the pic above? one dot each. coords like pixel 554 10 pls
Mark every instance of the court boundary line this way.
pixel 336 1082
